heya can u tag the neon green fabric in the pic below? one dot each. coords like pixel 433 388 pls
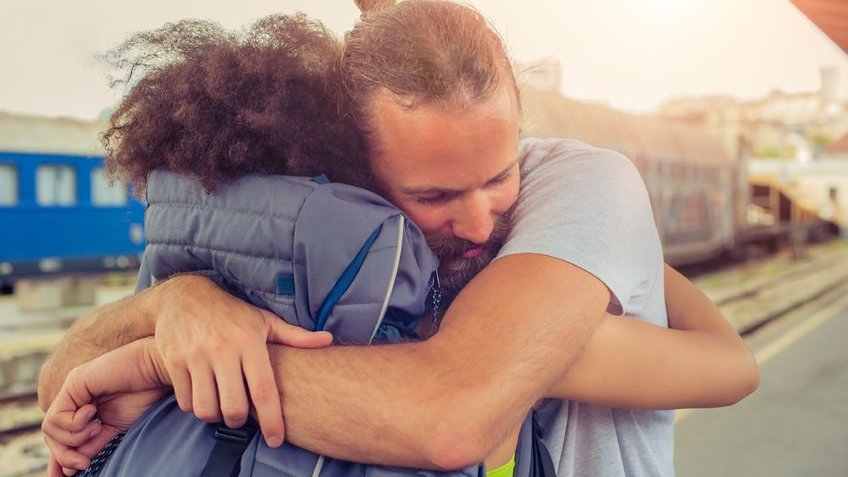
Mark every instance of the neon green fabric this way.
pixel 505 470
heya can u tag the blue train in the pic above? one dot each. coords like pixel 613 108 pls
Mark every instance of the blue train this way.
pixel 58 212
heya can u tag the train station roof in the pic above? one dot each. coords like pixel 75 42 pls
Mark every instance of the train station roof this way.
pixel 831 16
pixel 40 134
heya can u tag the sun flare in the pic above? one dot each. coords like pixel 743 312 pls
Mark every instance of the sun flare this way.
pixel 666 4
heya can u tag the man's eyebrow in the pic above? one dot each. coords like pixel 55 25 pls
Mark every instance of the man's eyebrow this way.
pixel 445 190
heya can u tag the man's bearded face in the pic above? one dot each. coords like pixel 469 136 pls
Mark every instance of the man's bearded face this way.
pixel 455 271
pixel 455 171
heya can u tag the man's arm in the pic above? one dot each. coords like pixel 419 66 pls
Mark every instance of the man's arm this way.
pixel 94 334
pixel 447 402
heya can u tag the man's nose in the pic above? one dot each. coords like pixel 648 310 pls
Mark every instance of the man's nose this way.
pixel 475 221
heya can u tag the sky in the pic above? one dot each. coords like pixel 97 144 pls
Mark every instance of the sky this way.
pixel 630 54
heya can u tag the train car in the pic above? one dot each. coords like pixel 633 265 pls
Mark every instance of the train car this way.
pixel 698 192
pixel 58 212
pixel 59 215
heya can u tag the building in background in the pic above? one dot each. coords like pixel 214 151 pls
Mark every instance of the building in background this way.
pixel 820 184
pixel 781 125
pixel 813 131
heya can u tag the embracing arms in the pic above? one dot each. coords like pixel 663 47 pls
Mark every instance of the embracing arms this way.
pixel 448 401
pixel 197 323
pixel 436 404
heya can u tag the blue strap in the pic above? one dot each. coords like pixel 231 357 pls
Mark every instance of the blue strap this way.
pixel 322 179
pixel 344 281
pixel 284 283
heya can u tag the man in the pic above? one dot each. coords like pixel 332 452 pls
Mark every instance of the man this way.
pixel 432 91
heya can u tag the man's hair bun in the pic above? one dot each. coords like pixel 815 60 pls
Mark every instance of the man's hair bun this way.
pixel 371 6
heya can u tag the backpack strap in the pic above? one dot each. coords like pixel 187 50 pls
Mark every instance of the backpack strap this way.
pixel 230 444
pixel 532 458
pixel 344 281
pixel 541 463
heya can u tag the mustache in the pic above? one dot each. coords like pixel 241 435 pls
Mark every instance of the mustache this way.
pixel 445 246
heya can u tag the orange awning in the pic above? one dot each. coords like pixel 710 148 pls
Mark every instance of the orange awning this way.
pixel 831 16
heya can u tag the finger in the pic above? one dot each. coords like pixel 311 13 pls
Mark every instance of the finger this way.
pixel 54 425
pixel 64 401
pixel 82 417
pixel 261 381
pixel 93 447
pixel 284 333
pixel 204 396
pixel 182 389
pixel 76 439
pixel 231 392
pixel 66 456
pixel 53 467
pixel 60 422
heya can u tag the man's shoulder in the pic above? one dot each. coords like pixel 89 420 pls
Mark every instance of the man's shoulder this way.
pixel 542 154
pixel 569 161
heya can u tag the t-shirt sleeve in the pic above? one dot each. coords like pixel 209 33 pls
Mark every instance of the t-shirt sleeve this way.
pixel 589 207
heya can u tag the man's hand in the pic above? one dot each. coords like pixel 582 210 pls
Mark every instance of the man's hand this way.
pixel 213 344
pixel 118 386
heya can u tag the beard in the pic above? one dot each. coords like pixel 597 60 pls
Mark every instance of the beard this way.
pixel 455 271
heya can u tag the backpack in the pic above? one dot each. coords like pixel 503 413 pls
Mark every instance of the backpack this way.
pixel 322 256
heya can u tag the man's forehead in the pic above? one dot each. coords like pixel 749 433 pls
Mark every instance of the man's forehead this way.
pixel 429 146
pixel 424 185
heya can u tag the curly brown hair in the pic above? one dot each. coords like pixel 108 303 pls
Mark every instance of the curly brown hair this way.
pixel 220 104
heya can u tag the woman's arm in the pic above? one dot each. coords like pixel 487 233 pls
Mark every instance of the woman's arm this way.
pixel 700 362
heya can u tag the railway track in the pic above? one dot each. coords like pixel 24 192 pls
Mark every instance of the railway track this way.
pixel 775 291
pixel 802 272
pixel 27 394
pixel 20 414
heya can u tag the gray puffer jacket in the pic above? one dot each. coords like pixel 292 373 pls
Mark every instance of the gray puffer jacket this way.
pixel 320 255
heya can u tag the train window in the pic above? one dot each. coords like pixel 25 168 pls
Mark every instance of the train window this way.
pixel 56 185
pixel 105 194
pixel 8 184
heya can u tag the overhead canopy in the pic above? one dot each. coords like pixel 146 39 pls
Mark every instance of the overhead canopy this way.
pixel 831 16
pixel 37 134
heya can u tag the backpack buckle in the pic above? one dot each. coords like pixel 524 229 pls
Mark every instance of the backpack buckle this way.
pixel 242 435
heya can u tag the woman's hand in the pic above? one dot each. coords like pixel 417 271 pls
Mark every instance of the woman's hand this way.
pixel 118 387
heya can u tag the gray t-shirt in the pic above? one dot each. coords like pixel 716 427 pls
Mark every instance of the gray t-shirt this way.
pixel 589 207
